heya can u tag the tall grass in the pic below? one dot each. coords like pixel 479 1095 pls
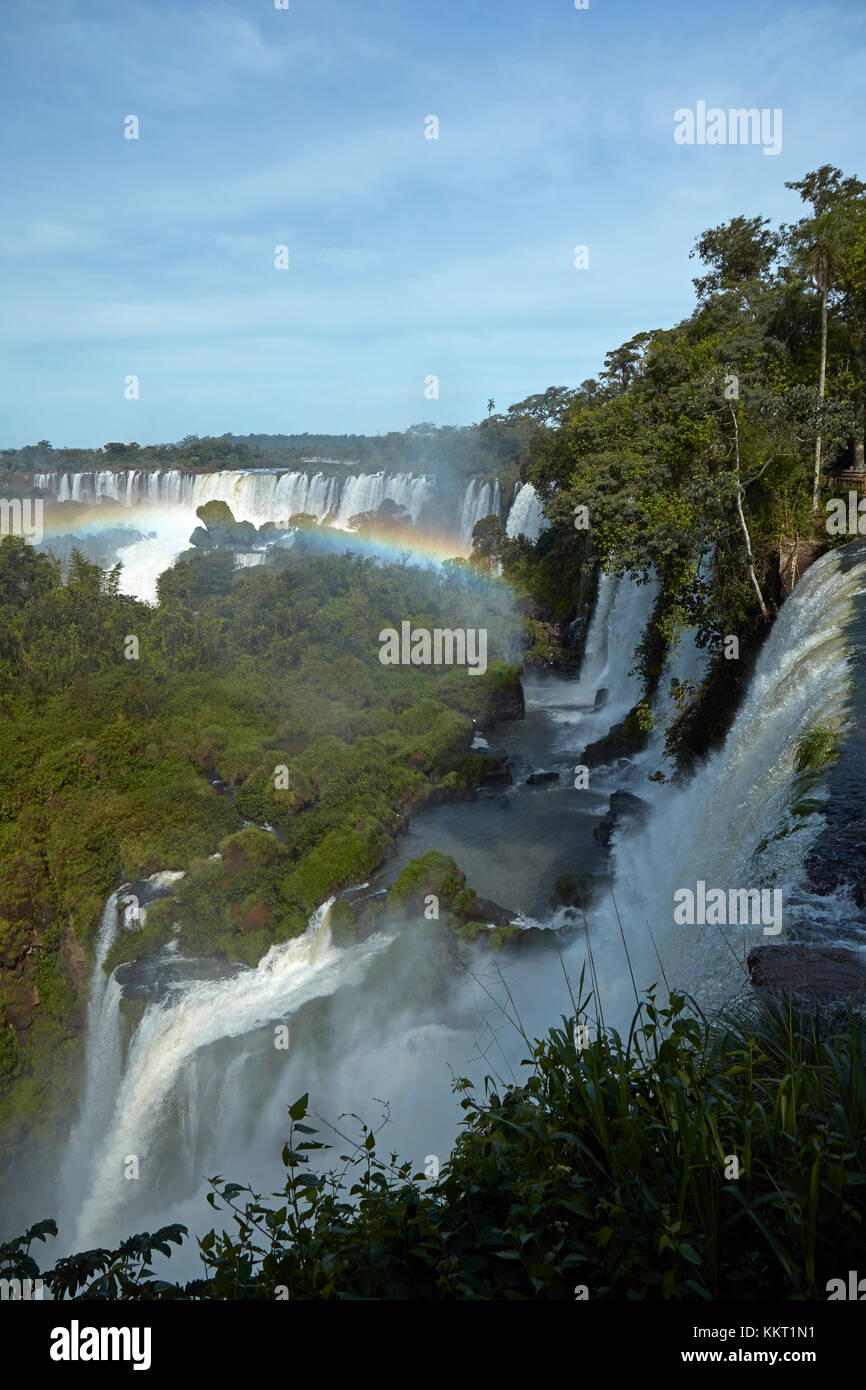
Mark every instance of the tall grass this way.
pixel 816 746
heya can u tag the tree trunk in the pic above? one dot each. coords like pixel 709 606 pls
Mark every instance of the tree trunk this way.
pixel 751 560
pixel 822 376
pixel 741 492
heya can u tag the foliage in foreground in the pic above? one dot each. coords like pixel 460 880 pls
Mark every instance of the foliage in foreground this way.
pixel 605 1167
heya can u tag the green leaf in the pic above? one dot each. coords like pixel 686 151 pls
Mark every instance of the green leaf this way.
pixel 299 1109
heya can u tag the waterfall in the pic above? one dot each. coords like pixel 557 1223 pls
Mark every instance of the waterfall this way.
pixel 257 495
pixel 734 825
pixel 145 560
pixel 619 619
pixel 526 516
pixel 479 500
pixel 169 1044
pixel 685 662
pixel 103 1049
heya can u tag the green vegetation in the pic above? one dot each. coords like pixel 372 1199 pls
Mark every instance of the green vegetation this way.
pixel 701 447
pixel 607 1172
pixel 268 682
pixel 816 747
pixel 431 895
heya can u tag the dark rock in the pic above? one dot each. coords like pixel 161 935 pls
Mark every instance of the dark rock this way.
pixel 626 803
pixel 624 806
pixel 601 697
pixel 607 750
pixel 487 911
pixel 820 976
pixel 542 779
pixel 497 774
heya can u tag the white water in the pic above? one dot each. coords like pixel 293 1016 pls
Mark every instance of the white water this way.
pixel 526 516
pixel 102 1065
pixel 713 828
pixel 256 495
pixel 145 560
pixel 103 1054
pixel 619 619
pixel 173 1032
pixel 479 500
pixel 685 662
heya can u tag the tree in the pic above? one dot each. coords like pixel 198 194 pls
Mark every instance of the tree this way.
pixel 488 539
pixel 624 362
pixel 740 252
pixel 818 247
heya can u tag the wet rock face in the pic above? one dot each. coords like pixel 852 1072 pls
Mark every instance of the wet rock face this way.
pixel 608 750
pixel 811 977
pixel 624 806
pixel 487 911
pixel 542 779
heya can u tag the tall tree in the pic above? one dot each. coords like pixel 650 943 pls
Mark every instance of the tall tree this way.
pixel 818 246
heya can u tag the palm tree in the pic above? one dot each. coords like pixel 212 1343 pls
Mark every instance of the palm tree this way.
pixel 490 405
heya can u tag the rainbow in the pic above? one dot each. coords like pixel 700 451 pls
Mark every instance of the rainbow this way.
pixel 421 546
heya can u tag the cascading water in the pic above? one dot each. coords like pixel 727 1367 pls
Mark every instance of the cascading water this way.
pixel 103 1056
pixel 165 501
pixel 102 1067
pixel 736 824
pixel 619 619
pixel 171 1039
pixel 526 516
pixel 685 663
pixel 479 500
pixel 256 495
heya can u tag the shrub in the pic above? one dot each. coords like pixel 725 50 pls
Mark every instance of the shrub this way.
pixel 608 1165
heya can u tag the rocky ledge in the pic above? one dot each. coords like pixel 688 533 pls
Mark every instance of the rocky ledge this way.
pixel 811 977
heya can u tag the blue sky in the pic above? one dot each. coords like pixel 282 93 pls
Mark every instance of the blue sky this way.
pixel 408 257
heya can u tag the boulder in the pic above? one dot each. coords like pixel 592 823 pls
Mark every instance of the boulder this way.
pixel 811 976
pixel 486 911
pixel 542 779
pixel 624 806
pixel 610 749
